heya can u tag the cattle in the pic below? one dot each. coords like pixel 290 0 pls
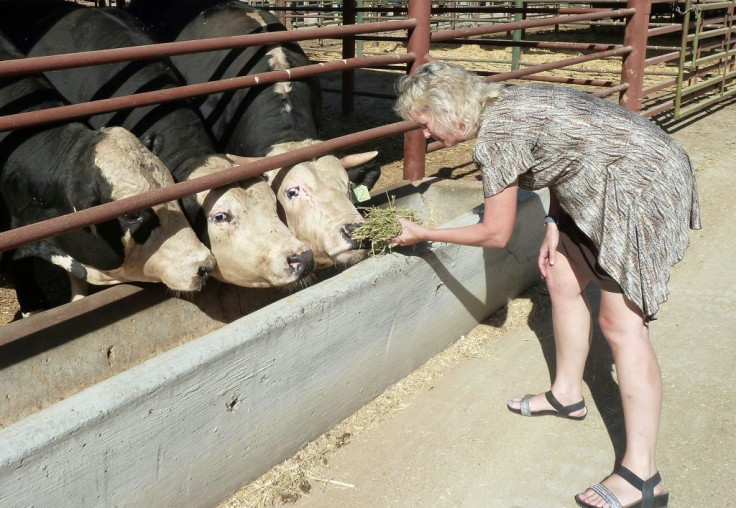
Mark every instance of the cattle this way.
pixel 263 120
pixel 52 170
pixel 239 222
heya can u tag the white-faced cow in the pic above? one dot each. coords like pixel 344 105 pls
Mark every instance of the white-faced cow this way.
pixel 265 120
pixel 239 222
pixel 49 171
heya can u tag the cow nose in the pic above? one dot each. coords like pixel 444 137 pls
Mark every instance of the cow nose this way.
pixel 301 264
pixel 347 233
pixel 204 272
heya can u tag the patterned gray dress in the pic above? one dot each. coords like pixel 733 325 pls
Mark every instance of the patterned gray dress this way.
pixel 625 182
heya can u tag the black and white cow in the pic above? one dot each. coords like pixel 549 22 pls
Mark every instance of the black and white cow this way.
pixel 49 171
pixel 265 120
pixel 239 222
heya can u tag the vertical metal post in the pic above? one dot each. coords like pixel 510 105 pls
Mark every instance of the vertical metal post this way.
pixel 632 71
pixel 348 51
pixel 516 36
pixel 732 41
pixel 683 55
pixel 415 147
pixel 282 14
pixel 359 19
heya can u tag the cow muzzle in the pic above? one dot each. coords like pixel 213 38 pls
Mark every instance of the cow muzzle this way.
pixel 347 233
pixel 204 272
pixel 301 264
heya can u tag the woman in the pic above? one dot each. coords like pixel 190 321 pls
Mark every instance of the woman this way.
pixel 623 196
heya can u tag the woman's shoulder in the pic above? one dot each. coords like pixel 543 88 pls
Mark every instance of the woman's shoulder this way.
pixel 554 95
pixel 549 101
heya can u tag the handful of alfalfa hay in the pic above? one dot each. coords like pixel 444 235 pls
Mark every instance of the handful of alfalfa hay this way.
pixel 381 225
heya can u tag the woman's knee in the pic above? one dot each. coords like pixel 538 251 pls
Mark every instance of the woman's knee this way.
pixel 619 321
pixel 609 323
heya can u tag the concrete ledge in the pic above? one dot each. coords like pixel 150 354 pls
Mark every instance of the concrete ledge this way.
pixel 196 422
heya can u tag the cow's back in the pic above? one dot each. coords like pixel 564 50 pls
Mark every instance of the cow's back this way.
pixel 247 121
pixel 174 131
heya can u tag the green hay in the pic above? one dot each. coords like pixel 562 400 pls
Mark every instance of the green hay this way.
pixel 381 225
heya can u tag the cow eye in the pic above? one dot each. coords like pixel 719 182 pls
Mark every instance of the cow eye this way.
pixel 292 192
pixel 221 217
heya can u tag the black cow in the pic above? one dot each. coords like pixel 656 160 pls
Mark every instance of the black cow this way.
pixel 239 223
pixel 49 171
pixel 267 119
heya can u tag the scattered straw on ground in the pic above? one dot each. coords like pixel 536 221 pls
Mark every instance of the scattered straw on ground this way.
pixel 295 477
pixel 8 301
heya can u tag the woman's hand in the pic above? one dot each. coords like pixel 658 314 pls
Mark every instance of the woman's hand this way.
pixel 411 233
pixel 548 250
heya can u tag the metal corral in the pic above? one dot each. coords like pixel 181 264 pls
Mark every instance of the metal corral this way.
pixel 192 424
pixel 704 77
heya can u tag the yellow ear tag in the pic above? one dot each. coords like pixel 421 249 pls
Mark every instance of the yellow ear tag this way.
pixel 361 193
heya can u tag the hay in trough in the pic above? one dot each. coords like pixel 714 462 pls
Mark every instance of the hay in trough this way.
pixel 381 226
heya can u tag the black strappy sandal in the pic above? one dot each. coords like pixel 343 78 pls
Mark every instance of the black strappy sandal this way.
pixel 646 487
pixel 560 410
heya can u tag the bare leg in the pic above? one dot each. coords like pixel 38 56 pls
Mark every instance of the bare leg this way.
pixel 640 383
pixel 572 329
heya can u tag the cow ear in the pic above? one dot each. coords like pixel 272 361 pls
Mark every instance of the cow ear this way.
pixel 356 159
pixel 154 142
pixel 240 160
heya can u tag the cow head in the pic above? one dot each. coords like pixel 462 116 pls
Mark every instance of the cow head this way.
pixel 158 244
pixel 314 200
pixel 240 224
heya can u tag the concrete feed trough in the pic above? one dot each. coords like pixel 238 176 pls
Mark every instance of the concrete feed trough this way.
pixel 158 420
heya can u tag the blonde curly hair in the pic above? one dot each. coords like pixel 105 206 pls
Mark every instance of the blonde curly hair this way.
pixel 448 92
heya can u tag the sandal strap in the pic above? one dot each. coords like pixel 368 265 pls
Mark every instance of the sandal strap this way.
pixel 565 410
pixel 524 405
pixel 606 495
pixel 645 486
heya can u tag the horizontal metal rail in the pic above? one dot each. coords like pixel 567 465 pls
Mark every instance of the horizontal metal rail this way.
pixel 88 58
pixel 711 58
pixel 709 6
pixel 667 57
pixel 72 111
pixel 705 83
pixel 574 46
pixel 668 29
pixel 709 34
pixel 707 103
pixel 558 64
pixel 683 112
pixel 531 23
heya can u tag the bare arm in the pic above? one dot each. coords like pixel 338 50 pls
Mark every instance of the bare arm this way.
pixel 495 230
pixel 548 250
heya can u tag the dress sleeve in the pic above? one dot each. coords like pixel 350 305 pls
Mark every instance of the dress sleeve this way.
pixel 501 163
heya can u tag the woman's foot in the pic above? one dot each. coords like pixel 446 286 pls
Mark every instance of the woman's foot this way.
pixel 626 492
pixel 548 404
